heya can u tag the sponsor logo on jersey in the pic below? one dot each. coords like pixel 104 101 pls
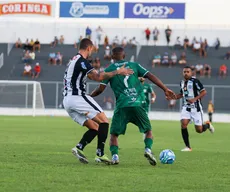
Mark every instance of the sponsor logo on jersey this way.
pixel 83 65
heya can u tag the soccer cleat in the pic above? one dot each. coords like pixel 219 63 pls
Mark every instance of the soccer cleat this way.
pixel 211 128
pixel 80 155
pixel 150 157
pixel 186 149
pixel 103 159
pixel 115 159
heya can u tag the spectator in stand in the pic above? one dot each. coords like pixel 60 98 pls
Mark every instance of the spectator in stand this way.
pixel 37 70
pixel 96 46
pixel 193 41
pixel 76 43
pixel 182 58
pixel 156 60
pixel 155 35
pixel 173 60
pixel 196 47
pixel 26 45
pixel 207 70
pixel 32 55
pixel 62 40
pixel 52 58
pixel 115 42
pixel 31 44
pixel 88 32
pixel 147 35
pixel 133 42
pixel 27 70
pixel 37 45
pixel 204 48
pixel 227 56
pixel 124 42
pixel 199 69
pixel 223 71
pixel 54 42
pixel 27 57
pixel 99 32
pixel 178 43
pixel 107 55
pixel 168 33
pixel 106 41
pixel 165 59
pixel 18 43
pixel 217 44
pixel 97 65
pixel 186 42
pixel 193 68
pixel 108 103
pixel 58 58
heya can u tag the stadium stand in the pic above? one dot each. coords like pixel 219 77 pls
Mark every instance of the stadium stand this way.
pixel 12 70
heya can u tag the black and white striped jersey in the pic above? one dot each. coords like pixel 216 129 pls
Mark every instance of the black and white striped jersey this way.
pixel 75 76
pixel 190 89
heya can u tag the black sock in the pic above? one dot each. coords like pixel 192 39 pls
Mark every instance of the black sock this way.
pixel 87 138
pixel 205 127
pixel 102 136
pixel 210 117
pixel 185 137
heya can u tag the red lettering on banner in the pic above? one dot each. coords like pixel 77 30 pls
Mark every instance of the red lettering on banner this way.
pixel 25 8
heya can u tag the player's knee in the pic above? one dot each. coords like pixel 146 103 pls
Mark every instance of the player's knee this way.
pixel 101 118
pixel 199 130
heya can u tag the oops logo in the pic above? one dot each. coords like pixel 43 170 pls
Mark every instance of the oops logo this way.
pixel 152 11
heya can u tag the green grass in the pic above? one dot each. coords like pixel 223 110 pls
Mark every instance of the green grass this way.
pixel 36 156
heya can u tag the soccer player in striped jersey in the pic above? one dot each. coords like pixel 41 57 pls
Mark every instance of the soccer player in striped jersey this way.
pixel 192 91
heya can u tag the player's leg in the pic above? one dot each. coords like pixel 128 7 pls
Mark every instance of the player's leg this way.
pixel 199 125
pixel 210 117
pixel 185 119
pixel 114 148
pixel 118 127
pixel 97 115
pixel 140 118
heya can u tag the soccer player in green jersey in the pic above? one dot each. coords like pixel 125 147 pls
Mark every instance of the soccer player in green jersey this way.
pixel 149 94
pixel 129 96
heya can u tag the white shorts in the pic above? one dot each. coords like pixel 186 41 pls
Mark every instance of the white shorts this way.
pixel 196 117
pixel 81 108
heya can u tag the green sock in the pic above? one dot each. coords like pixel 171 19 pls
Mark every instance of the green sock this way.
pixel 148 143
pixel 114 149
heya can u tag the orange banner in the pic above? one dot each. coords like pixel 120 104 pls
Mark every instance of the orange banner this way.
pixel 25 8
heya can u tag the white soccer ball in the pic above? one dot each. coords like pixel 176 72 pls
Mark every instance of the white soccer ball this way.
pixel 167 156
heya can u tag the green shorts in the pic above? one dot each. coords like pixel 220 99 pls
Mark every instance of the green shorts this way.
pixel 135 115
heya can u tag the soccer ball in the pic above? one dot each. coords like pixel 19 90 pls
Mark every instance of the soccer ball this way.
pixel 167 156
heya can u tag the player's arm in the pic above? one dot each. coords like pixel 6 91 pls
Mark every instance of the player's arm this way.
pixel 100 76
pixel 179 96
pixel 168 93
pixel 98 90
pixel 153 97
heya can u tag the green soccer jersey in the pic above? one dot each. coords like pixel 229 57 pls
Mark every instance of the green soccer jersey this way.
pixel 127 89
pixel 147 89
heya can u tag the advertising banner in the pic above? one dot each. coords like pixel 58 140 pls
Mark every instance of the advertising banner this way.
pixel 27 9
pixel 154 11
pixel 89 9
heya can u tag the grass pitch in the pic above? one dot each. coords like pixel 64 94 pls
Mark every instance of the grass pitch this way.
pixel 35 155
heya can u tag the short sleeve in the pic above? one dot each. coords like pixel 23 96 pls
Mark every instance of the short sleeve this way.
pixel 141 70
pixel 86 66
pixel 199 85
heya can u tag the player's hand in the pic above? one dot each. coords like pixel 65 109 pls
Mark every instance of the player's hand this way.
pixel 153 100
pixel 191 101
pixel 124 71
pixel 170 95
